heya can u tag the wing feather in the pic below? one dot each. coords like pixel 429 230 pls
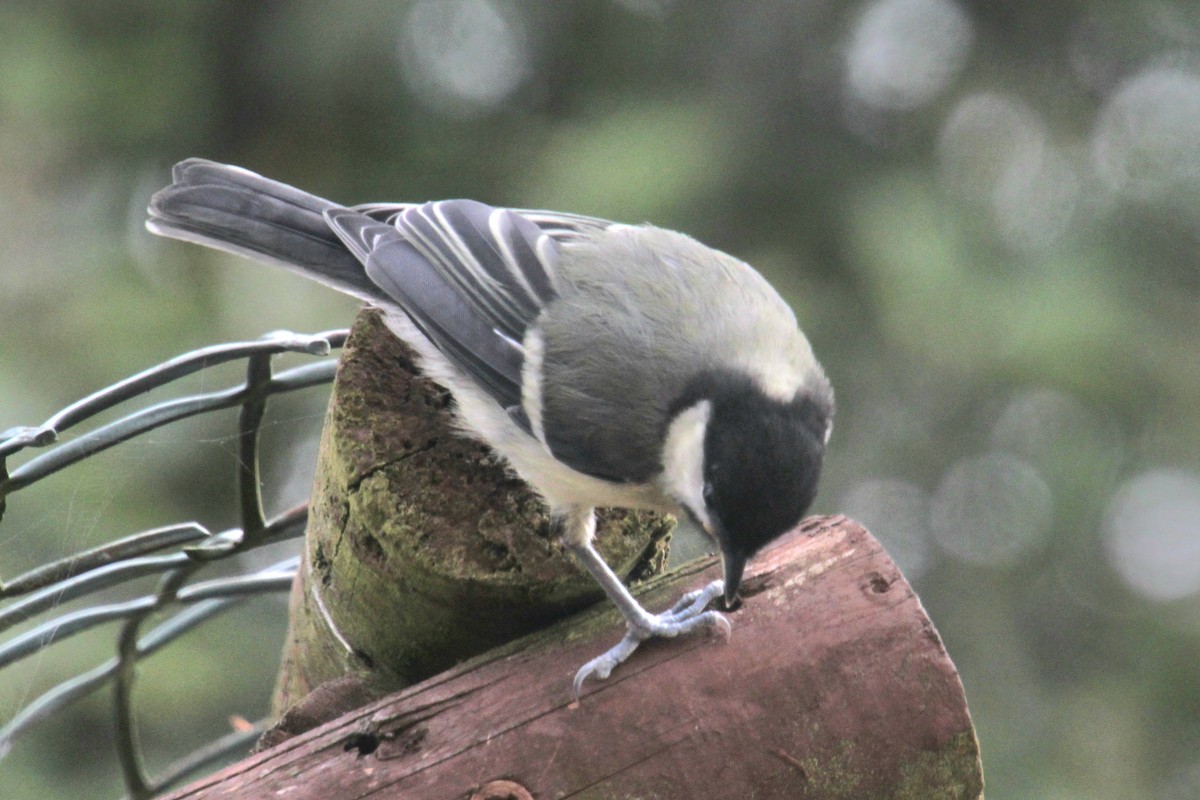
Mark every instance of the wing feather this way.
pixel 472 278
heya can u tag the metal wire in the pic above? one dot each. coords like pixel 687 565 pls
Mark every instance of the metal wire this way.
pixel 177 552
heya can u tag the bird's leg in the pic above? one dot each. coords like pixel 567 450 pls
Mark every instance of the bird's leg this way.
pixel 685 616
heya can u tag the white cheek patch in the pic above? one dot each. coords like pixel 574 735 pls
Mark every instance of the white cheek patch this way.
pixel 683 459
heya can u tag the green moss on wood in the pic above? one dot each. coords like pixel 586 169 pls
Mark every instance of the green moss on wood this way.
pixel 425 549
pixel 951 772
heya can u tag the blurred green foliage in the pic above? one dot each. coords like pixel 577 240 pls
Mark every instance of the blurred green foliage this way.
pixel 985 215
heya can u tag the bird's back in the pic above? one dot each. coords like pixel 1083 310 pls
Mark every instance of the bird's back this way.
pixel 666 309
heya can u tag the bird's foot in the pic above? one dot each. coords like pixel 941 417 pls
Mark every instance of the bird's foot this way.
pixel 686 616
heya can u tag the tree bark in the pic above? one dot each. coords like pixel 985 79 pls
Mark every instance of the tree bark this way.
pixel 422 549
pixel 835 685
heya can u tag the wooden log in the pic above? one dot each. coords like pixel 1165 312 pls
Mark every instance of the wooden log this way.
pixel 422 549
pixel 835 685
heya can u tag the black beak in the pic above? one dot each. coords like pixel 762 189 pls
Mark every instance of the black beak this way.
pixel 734 564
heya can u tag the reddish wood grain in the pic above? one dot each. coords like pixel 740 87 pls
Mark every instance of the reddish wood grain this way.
pixel 835 684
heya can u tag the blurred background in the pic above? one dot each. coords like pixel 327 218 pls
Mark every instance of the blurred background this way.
pixel 986 215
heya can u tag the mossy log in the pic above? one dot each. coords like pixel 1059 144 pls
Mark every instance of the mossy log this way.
pixel 422 550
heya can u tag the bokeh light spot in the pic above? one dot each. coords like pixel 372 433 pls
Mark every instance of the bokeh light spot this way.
pixel 1152 533
pixel 987 136
pixel 903 53
pixel 994 151
pixel 991 509
pixel 1056 433
pixel 897 513
pixel 1147 138
pixel 463 56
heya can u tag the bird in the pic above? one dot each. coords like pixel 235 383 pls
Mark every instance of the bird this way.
pixel 608 364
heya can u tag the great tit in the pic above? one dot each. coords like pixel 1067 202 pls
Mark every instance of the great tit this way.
pixel 611 365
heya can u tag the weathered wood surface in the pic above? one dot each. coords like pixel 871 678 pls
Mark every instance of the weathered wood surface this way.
pixel 834 685
pixel 422 549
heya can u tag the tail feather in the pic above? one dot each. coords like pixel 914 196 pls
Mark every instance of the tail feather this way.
pixel 233 209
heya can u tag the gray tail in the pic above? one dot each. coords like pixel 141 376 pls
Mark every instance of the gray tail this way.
pixel 235 210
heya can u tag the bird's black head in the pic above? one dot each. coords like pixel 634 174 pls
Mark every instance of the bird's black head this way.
pixel 762 461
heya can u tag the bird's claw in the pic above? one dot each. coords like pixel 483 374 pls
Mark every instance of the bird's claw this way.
pixel 686 616
pixel 693 603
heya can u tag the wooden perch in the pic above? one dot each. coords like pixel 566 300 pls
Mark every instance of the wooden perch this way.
pixel 834 685
pixel 421 549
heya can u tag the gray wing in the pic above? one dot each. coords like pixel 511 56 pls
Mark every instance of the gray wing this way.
pixel 565 228
pixel 472 278
pixel 560 227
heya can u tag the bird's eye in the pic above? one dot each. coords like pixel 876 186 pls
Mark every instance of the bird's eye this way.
pixel 708 493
